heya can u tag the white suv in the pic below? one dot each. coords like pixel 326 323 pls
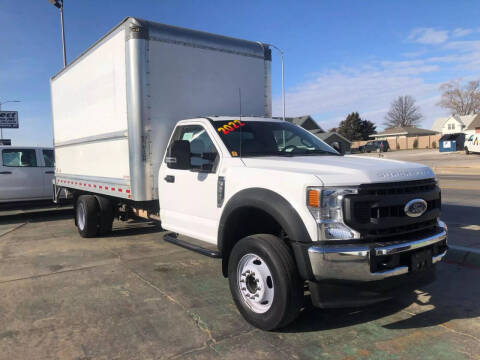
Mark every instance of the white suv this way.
pixel 26 173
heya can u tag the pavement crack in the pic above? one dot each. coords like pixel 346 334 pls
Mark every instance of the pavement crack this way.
pixel 448 328
pixel 52 273
pixel 199 323
pixel 194 316
pixel 459 332
pixel 13 229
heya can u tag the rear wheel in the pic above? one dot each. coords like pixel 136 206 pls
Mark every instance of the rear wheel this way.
pixel 264 281
pixel 106 215
pixel 467 151
pixel 86 215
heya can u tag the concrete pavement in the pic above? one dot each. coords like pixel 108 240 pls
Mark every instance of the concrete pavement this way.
pixel 133 296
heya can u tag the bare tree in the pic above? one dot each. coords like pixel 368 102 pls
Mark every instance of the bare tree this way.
pixel 461 99
pixel 403 112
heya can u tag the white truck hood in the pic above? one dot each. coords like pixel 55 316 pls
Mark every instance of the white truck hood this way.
pixel 344 170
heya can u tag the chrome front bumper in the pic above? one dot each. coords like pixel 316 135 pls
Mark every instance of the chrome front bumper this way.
pixel 352 262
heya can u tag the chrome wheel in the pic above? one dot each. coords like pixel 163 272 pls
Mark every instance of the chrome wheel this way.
pixel 255 282
pixel 81 216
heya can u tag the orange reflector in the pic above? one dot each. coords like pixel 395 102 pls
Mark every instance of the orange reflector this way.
pixel 314 198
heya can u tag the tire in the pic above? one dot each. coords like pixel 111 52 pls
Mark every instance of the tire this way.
pixel 467 152
pixel 86 215
pixel 278 300
pixel 106 215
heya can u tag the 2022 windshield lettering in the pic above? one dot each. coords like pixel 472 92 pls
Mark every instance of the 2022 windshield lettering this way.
pixel 230 127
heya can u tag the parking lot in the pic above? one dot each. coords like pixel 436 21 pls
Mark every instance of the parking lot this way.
pixel 132 295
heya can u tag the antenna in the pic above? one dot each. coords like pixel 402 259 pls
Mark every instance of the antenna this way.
pixel 240 101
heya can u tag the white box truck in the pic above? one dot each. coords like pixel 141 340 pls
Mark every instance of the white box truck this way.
pixel 149 118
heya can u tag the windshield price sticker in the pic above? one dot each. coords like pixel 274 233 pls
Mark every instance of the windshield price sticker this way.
pixel 230 127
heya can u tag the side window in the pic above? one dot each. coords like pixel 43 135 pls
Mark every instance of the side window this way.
pixel 202 149
pixel 19 157
pixel 470 138
pixel 48 158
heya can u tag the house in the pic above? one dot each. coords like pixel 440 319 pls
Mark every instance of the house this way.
pixel 306 122
pixel 474 126
pixel 404 137
pixel 454 123
pixel 332 137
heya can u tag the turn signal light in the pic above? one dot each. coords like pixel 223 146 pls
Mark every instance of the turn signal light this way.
pixel 314 198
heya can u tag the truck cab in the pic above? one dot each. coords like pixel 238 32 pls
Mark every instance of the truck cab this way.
pixel 26 173
pixel 283 208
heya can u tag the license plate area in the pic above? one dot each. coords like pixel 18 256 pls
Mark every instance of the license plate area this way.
pixel 421 260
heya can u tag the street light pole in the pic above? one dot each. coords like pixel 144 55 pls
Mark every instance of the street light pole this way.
pixel 59 4
pixel 1 103
pixel 283 78
pixel 283 73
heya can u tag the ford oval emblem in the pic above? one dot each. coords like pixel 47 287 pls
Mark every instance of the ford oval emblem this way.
pixel 415 207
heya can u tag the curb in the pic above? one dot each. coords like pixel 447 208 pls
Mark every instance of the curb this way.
pixel 462 255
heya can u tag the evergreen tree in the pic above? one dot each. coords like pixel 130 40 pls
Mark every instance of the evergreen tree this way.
pixel 355 128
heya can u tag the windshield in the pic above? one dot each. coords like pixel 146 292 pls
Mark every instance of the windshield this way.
pixel 263 138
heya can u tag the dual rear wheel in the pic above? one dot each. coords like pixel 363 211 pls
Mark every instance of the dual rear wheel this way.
pixel 93 215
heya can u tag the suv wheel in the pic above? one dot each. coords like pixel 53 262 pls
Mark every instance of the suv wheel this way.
pixel 264 281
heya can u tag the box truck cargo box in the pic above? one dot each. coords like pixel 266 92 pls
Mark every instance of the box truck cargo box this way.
pixel 115 106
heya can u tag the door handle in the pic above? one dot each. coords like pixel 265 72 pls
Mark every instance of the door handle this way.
pixel 49 172
pixel 170 178
pixel 5 172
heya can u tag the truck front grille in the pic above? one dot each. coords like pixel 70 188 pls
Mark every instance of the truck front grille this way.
pixel 377 211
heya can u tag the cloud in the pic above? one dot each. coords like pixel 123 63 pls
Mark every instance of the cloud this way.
pixel 370 87
pixel 331 95
pixel 460 32
pixel 428 36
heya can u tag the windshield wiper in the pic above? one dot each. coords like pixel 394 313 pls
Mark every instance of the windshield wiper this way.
pixel 314 152
pixel 266 154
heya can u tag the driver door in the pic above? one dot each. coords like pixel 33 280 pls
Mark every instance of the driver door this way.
pixel 188 198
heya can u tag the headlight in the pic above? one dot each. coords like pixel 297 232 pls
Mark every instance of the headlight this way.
pixel 325 204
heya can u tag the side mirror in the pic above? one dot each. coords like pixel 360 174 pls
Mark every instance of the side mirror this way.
pixel 178 156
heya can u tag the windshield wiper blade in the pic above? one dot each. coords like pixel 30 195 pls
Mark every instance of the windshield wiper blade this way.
pixel 266 154
pixel 317 152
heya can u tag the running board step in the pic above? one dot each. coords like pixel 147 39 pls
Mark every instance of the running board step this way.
pixel 172 238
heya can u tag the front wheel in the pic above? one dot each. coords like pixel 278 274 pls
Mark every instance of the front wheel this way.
pixel 264 281
pixel 467 152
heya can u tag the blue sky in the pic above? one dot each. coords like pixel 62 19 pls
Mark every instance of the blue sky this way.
pixel 341 56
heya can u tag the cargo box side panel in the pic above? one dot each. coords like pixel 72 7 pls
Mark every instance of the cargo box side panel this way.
pixel 90 113
pixel 187 81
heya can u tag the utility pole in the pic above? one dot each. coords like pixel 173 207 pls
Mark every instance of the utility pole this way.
pixel 283 73
pixel 59 4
